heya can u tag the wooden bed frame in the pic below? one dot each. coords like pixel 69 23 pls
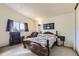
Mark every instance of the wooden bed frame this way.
pixel 38 49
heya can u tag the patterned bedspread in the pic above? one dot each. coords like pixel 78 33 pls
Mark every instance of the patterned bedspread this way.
pixel 42 39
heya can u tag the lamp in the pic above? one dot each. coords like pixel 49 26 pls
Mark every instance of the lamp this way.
pixel 39 28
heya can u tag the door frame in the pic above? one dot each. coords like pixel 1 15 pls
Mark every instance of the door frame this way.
pixel 76 26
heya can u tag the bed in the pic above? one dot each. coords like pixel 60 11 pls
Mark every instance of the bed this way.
pixel 41 44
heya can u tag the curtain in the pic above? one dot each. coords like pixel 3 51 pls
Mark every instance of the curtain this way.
pixel 26 27
pixel 9 25
pixel 14 38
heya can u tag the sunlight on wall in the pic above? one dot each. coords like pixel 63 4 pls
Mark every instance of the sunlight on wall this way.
pixel 39 20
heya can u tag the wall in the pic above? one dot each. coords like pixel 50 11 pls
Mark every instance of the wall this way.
pixel 64 24
pixel 77 29
pixel 8 13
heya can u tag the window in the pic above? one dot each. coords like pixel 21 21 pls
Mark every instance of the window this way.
pixel 14 26
pixel 48 26
pixel 22 27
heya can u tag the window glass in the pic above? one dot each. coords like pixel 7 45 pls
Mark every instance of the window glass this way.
pixel 22 27
pixel 15 26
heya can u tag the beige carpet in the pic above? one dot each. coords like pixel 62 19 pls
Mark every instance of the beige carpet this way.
pixel 18 50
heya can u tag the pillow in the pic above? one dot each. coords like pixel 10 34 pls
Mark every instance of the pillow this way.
pixel 49 35
pixel 41 35
pixel 46 35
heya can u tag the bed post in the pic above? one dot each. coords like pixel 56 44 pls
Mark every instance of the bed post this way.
pixel 48 47
pixel 56 33
pixel 56 36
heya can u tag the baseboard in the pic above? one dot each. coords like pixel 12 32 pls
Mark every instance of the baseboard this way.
pixel 76 52
pixel 9 45
pixel 5 46
pixel 69 47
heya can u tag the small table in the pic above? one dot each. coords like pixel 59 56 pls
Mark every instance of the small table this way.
pixel 62 38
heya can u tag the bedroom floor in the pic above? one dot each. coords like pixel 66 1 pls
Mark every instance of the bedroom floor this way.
pixel 18 50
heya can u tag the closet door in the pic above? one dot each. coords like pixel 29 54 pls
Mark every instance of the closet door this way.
pixel 77 29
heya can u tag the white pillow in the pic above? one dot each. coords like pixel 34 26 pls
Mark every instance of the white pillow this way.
pixel 41 35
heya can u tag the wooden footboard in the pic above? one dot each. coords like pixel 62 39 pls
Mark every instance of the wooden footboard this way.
pixel 48 47
pixel 26 43
pixel 37 48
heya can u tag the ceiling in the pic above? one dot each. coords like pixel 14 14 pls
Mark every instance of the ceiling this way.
pixel 42 10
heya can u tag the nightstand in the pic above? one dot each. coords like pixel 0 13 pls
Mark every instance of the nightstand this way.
pixel 62 39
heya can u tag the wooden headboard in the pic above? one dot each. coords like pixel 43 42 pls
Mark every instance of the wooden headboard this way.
pixel 56 33
pixel 51 33
pixel 48 33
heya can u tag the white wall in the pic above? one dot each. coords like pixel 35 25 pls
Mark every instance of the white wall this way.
pixel 8 13
pixel 77 29
pixel 64 24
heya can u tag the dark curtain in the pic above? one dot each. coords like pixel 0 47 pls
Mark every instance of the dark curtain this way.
pixel 26 27
pixel 14 38
pixel 9 25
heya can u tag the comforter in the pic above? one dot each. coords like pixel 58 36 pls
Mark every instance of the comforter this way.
pixel 42 39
